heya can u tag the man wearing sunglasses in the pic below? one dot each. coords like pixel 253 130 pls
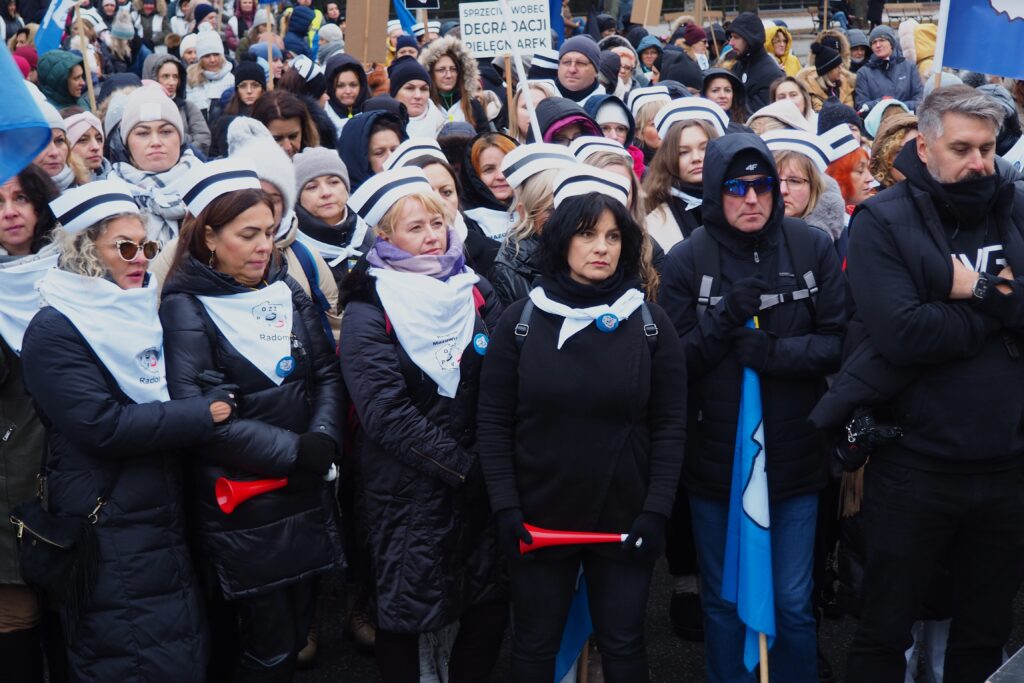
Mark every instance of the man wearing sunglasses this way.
pixel 749 260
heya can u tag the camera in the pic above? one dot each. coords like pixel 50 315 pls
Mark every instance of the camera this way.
pixel 864 435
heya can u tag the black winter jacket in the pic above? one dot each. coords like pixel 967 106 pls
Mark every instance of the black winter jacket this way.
pixel 431 543
pixel 515 269
pixel 145 621
pixel 338 235
pixel 354 144
pixel 964 411
pixel 804 350
pixel 285 536
pixel 755 68
pixel 585 437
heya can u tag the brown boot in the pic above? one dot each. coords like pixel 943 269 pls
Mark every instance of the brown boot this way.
pixel 359 625
pixel 307 655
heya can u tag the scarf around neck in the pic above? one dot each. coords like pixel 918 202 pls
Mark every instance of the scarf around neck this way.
pixel 578 319
pixel 386 256
pixel 157 196
pixel 18 279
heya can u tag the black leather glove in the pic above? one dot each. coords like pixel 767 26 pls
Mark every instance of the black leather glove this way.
pixel 649 528
pixel 752 347
pixel 214 389
pixel 316 453
pixel 744 299
pixel 511 531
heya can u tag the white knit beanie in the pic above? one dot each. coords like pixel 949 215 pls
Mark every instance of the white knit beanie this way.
pixel 251 143
pixel 209 43
pixel 149 103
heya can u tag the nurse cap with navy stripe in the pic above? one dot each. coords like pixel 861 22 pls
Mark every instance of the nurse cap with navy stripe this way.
pixel 378 194
pixel 211 180
pixel 821 149
pixel 527 160
pixel 414 148
pixel 638 97
pixel 80 208
pixel 580 180
pixel 586 146
pixel 689 109
pixel 418 29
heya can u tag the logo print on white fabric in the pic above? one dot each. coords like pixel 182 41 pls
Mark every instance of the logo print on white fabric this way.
pixel 1013 9
pixel 446 356
pixel 270 315
pixel 149 360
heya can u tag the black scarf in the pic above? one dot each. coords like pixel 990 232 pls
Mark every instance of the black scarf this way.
pixel 562 288
pixel 339 235
pixel 577 95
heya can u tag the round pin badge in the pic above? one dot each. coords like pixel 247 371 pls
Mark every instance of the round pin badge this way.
pixel 285 366
pixel 480 342
pixel 607 322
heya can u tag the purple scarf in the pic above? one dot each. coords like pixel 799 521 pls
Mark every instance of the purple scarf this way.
pixel 384 254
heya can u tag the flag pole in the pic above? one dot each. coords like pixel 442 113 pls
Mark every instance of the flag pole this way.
pixel 520 71
pixel 86 67
pixel 762 644
pixel 270 51
pixel 940 41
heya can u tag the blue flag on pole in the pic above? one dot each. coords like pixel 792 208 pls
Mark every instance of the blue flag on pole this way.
pixel 747 574
pixel 557 23
pixel 578 628
pixel 404 16
pixel 51 30
pixel 24 132
pixel 985 35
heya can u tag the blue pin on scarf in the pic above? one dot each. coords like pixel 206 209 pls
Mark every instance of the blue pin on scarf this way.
pixel 480 342
pixel 285 366
pixel 607 322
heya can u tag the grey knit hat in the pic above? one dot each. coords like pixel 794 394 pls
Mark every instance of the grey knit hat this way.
pixel 314 162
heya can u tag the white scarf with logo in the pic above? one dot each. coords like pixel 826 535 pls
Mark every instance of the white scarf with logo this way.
pixel 494 223
pixel 577 319
pixel 259 326
pixel 121 326
pixel 433 320
pixel 19 296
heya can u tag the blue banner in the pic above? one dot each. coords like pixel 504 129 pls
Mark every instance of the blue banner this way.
pixel 51 30
pixel 983 36
pixel 404 16
pixel 747 573
pixel 24 133
pixel 557 23
pixel 578 628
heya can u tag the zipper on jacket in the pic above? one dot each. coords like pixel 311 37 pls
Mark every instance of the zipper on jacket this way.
pixel 757 257
pixel 7 434
pixel 446 469
pixel 22 527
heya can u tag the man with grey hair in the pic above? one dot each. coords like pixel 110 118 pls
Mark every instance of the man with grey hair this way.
pixel 931 269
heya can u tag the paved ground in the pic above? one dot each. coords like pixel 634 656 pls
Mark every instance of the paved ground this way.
pixel 671 659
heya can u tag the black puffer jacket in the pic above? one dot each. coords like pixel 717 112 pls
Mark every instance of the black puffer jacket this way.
pixel 145 622
pixel 515 269
pixel 432 545
pixel 806 347
pixel 755 68
pixel 287 535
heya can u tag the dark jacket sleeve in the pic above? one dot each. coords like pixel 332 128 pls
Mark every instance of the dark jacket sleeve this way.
pixel 819 353
pixel 507 284
pixel 373 375
pixel 72 390
pixel 496 412
pixel 249 445
pixel 906 329
pixel 862 92
pixel 327 399
pixel 667 412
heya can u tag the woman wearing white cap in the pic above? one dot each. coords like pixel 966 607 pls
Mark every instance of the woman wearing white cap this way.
pixel 93 362
pixel 210 76
pixel 232 316
pixel 674 181
pixel 152 131
pixel 582 427
pixel 415 331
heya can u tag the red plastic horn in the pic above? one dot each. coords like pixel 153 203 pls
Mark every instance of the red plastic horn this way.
pixel 544 538
pixel 230 494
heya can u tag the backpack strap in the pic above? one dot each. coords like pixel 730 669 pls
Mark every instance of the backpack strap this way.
pixel 800 247
pixel 305 257
pixel 650 329
pixel 706 257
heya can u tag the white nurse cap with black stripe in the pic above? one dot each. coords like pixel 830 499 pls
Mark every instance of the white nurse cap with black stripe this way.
pixel 689 109
pixel 821 149
pixel 581 180
pixel 588 145
pixel 638 97
pixel 211 180
pixel 381 191
pixel 527 160
pixel 414 148
pixel 80 208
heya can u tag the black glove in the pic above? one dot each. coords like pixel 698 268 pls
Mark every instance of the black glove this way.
pixel 744 299
pixel 214 389
pixel 511 531
pixel 316 453
pixel 752 347
pixel 648 527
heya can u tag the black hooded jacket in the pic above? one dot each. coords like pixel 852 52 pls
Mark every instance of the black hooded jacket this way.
pixel 804 348
pixel 595 103
pixel 284 536
pixel 755 68
pixel 354 144
pixel 337 63
pixel 963 411
pixel 551 110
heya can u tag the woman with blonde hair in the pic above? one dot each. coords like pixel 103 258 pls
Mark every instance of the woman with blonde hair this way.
pixel 416 329
pixel 644 104
pixel 789 88
pixel 519 116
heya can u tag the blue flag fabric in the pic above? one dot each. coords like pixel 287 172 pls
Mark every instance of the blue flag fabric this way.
pixel 986 31
pixel 404 16
pixel 51 29
pixel 747 573
pixel 24 133
pixel 578 628
pixel 557 23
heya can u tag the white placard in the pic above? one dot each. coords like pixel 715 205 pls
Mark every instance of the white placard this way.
pixel 483 29
pixel 1015 155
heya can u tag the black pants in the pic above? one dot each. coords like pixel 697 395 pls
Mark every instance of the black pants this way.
pixel 474 654
pixel 21 656
pixel 680 548
pixel 915 520
pixel 272 629
pixel 542 591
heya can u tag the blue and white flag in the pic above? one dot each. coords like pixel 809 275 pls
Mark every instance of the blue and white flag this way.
pixel 24 132
pixel 51 30
pixel 578 628
pixel 985 33
pixel 747 573
pixel 404 16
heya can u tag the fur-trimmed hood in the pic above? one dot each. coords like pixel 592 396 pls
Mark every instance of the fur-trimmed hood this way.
pixel 454 48
pixel 844 46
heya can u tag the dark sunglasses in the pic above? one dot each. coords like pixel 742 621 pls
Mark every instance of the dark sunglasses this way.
pixel 739 187
pixel 128 250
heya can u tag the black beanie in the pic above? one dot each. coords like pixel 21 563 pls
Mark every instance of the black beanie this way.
pixel 834 113
pixel 825 58
pixel 609 67
pixel 748 162
pixel 403 70
pixel 249 70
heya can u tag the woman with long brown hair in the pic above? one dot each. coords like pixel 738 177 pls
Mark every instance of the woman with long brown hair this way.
pixel 288 120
